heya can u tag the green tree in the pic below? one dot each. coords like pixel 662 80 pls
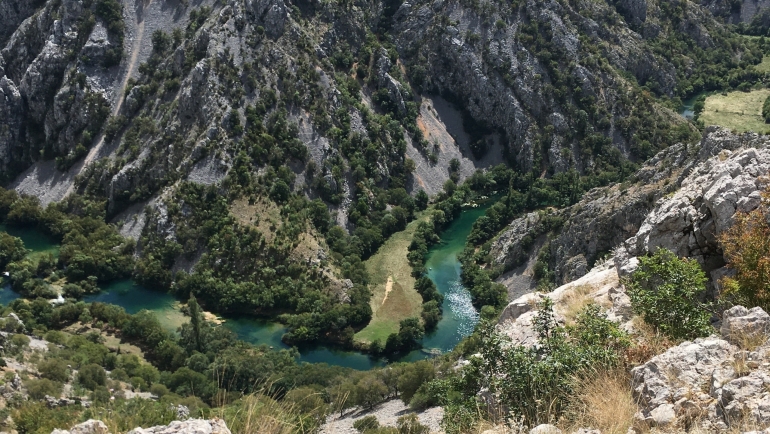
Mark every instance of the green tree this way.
pixel 413 376
pixel 766 110
pixel 666 291
pixel 370 391
pixel 11 249
pixel 431 314
pixel 54 369
pixel 196 320
pixel 421 200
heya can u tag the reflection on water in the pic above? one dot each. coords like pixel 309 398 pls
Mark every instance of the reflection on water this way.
pixel 133 298
pixel 33 239
pixel 461 304
pixel 7 295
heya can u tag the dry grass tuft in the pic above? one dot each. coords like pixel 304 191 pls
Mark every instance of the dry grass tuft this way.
pixel 604 402
pixel 747 340
pixel 575 301
pixel 260 414
pixel 648 343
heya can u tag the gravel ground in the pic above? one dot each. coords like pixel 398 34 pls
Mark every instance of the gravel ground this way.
pixel 387 413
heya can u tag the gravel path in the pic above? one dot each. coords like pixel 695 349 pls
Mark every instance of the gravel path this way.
pixel 387 413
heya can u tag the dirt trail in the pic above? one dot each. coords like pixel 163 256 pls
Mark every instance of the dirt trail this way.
pixel 130 68
pixel 388 288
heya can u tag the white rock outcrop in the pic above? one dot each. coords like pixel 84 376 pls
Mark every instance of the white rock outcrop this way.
pixel 601 286
pixel 711 382
pixel 192 426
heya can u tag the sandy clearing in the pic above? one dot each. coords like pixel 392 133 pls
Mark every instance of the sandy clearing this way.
pixel 388 288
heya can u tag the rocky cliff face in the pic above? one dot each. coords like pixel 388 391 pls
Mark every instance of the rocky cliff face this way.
pixel 681 200
pixel 503 63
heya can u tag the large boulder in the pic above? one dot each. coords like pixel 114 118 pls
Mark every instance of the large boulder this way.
pixel 712 382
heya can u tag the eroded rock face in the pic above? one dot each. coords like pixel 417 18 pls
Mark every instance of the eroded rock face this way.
pixel 682 199
pixel 11 119
pixel 689 222
pixel 272 13
pixel 712 381
pixel 192 426
pixel 600 286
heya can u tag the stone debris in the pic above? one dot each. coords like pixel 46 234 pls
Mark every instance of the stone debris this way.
pixel 192 426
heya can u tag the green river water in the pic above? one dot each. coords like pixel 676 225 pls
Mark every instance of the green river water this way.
pixel 459 316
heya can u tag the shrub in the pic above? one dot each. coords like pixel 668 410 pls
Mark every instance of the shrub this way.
pixel 159 390
pixel 91 376
pixel 535 383
pixel 366 423
pixel 766 110
pixel 54 369
pixel 746 247
pixel 19 342
pixel 665 292
pixel 38 389
pixel 38 418
pixel 409 424
pixel 101 395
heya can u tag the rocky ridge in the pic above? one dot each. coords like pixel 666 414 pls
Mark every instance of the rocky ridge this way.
pixel 681 199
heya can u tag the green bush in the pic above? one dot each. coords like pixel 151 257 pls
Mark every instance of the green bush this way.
pixel 535 383
pixel 54 369
pixel 666 292
pixel 38 389
pixel 366 423
pixel 11 249
pixel 91 376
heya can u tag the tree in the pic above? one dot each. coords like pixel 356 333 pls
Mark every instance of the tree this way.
pixel 421 200
pixel 11 249
pixel 431 314
pixel 666 291
pixel 370 391
pixel 413 376
pixel 196 320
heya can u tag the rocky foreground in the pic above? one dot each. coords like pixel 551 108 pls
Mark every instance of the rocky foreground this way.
pixel 192 426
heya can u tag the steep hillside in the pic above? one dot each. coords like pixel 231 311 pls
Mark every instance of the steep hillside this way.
pixel 333 116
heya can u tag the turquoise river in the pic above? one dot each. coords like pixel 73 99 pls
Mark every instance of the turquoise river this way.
pixel 459 316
